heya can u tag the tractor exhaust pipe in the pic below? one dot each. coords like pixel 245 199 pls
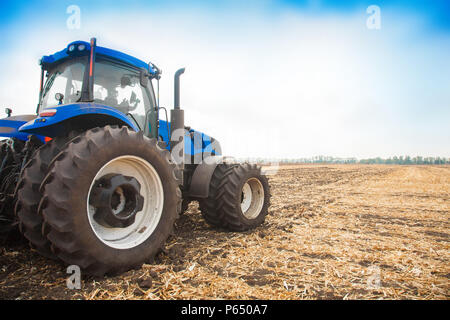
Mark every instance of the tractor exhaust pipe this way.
pixel 177 88
pixel 177 122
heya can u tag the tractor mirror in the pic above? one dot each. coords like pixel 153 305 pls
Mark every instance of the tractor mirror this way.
pixel 59 97
pixel 144 77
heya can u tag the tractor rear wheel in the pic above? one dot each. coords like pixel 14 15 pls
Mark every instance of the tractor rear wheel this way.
pixel 110 200
pixel 239 197
pixel 29 195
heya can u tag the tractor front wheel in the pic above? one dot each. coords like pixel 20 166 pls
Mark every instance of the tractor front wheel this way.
pixel 111 200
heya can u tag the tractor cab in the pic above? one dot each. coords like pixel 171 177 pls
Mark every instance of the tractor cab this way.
pixel 111 79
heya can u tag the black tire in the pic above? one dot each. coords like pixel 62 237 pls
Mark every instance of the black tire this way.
pixel 29 195
pixel 2 150
pixel 6 224
pixel 4 170
pixel 11 160
pixel 208 206
pixel 223 209
pixel 66 192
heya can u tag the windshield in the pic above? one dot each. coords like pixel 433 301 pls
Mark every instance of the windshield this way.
pixel 115 85
pixel 119 87
pixel 65 79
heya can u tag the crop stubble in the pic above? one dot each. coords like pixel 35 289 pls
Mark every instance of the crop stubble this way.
pixel 334 232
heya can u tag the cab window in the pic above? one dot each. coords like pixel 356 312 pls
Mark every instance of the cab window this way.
pixel 67 80
pixel 119 87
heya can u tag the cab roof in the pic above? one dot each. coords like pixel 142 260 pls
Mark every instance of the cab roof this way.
pixel 48 61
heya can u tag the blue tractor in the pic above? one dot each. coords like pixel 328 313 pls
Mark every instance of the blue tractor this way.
pixel 98 176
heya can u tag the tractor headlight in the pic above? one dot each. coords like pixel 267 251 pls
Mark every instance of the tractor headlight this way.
pixel 71 48
pixel 81 47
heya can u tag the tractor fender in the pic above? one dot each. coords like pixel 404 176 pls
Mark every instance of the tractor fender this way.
pixel 79 116
pixel 199 187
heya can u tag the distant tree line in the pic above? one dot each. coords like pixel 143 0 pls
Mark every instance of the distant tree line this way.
pixel 407 160
pixel 402 160
pixel 320 159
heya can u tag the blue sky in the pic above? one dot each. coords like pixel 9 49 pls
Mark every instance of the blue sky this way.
pixel 437 12
pixel 267 78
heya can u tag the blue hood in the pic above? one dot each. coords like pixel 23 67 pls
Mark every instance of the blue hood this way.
pixel 9 127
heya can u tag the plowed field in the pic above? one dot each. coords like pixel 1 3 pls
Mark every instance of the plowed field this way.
pixel 334 232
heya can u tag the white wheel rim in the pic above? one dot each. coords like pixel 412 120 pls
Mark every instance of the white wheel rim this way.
pixel 252 200
pixel 147 219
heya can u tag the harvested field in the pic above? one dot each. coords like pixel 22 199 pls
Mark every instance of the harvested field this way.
pixel 334 232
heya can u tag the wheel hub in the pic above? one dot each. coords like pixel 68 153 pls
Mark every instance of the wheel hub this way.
pixel 116 199
pixel 252 198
